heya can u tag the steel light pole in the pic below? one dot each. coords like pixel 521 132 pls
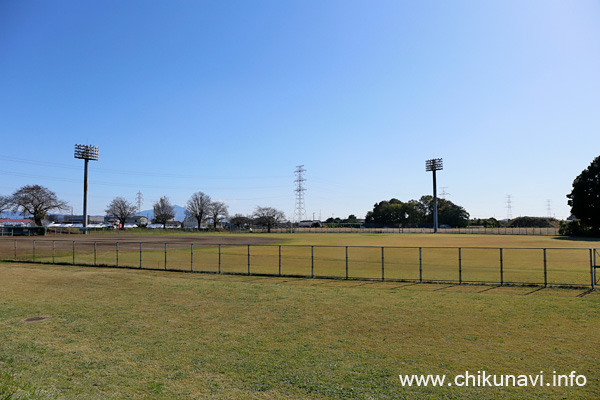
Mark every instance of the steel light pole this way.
pixel 435 164
pixel 86 153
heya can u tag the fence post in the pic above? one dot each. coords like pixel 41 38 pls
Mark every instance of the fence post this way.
pixel 382 264
pixel 15 250
pixel 34 251
pixel 545 270
pixel 219 258
pixel 279 260
pixel 594 251
pixel 73 252
pixel 346 262
pixel 248 259
pixel 140 255
pixel 192 257
pixel 312 261
pixel 53 252
pixel 501 268
pixel 117 254
pixel 94 253
pixel 592 269
pixel 459 266
pixel 420 265
pixel 165 256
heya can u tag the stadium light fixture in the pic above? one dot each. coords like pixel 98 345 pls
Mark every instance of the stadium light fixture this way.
pixel 435 164
pixel 86 152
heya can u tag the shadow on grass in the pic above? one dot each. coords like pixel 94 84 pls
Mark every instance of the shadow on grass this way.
pixel 590 291
pixel 534 291
pixel 577 239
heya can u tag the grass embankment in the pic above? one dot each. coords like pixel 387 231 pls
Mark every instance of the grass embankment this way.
pixel 150 334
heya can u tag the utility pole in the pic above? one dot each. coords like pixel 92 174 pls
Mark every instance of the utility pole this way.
pixel 435 164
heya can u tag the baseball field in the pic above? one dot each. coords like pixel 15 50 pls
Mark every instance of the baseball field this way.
pixel 71 331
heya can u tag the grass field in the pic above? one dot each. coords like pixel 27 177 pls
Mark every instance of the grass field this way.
pixel 113 333
pixel 405 256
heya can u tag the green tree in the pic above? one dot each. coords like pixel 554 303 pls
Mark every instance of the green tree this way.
pixel 448 213
pixel 584 199
pixel 387 213
pixel 414 213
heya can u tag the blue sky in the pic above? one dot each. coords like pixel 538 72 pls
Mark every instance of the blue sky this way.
pixel 228 97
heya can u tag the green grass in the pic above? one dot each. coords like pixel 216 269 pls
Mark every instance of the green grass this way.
pixel 567 261
pixel 163 335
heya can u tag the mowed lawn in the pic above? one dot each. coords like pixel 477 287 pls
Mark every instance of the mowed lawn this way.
pixel 113 333
pixel 443 257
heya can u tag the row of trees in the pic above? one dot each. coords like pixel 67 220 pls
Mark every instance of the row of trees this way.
pixel 199 207
pixel 38 201
pixel 416 213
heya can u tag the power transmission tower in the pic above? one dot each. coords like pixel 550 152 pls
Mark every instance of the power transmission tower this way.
pixel 444 193
pixel 509 207
pixel 549 208
pixel 299 210
pixel 139 198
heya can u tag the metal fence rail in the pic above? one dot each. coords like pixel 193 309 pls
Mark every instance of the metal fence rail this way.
pixel 486 265
pixel 468 230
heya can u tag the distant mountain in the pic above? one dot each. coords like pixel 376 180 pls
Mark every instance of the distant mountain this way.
pixel 179 213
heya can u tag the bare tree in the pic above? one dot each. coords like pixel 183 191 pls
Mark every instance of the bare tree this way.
pixel 198 206
pixel 163 211
pixel 5 203
pixel 268 216
pixel 217 212
pixel 37 201
pixel 240 220
pixel 121 209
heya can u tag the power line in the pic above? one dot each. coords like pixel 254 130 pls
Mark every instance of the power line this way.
pixel 135 173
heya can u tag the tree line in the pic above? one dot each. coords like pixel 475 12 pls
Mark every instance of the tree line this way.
pixel 199 207
pixel 38 201
pixel 416 213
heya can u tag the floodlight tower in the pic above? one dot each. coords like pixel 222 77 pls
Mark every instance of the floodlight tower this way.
pixel 86 152
pixel 435 164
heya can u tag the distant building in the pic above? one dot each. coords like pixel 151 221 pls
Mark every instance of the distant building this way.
pixel 309 224
pixel 137 220
pixel 78 219
pixel 16 222
pixel 192 223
